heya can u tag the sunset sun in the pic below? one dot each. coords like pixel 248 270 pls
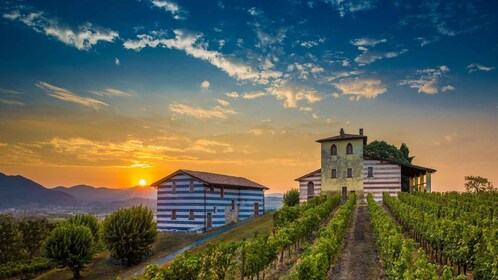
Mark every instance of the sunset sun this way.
pixel 142 183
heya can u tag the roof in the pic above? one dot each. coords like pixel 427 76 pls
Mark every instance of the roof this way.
pixel 345 136
pixel 407 168
pixel 214 179
pixel 309 174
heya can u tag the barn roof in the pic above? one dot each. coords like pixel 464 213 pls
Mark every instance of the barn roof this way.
pixel 407 169
pixel 308 175
pixel 344 136
pixel 214 179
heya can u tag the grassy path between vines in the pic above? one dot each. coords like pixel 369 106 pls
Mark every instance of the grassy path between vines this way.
pixel 359 258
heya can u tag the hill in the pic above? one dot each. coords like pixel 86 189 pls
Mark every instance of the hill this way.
pixel 88 194
pixel 20 192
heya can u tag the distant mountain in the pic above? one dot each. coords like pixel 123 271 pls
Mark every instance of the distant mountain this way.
pixel 86 193
pixel 20 192
pixel 273 201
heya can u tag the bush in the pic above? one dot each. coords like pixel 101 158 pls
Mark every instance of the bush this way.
pixel 93 224
pixel 70 246
pixel 129 234
pixel 9 239
pixel 33 231
pixel 25 269
pixel 291 197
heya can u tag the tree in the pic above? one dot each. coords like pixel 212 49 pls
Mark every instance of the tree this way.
pixel 383 150
pixel 90 222
pixel 70 246
pixel 33 232
pixel 478 184
pixel 406 152
pixel 291 197
pixel 129 233
pixel 9 239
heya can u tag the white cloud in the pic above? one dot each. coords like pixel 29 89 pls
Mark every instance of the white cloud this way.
pixel 253 94
pixel 350 6
pixel 367 56
pixel 367 42
pixel 335 95
pixel 358 88
pixel 84 37
pixel 428 80
pixel 68 96
pixel 306 69
pixel 205 86
pixel 315 116
pixel 311 43
pixel 171 7
pixel 223 103
pixel 232 94
pixel 291 95
pixel 116 61
pixel 255 12
pixel 11 102
pixel 306 109
pixel 479 67
pixel 9 91
pixel 201 113
pixel 111 92
pixel 194 46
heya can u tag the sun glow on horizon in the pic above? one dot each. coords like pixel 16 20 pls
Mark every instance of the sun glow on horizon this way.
pixel 142 182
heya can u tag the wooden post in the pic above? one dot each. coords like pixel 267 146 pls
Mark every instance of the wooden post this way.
pixel 416 183
pixel 429 186
pixel 422 182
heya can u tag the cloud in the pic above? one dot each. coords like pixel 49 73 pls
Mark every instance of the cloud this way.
pixel 205 86
pixel 306 109
pixel 252 95
pixel 306 69
pixel 171 7
pixel 193 45
pixel 428 80
pixel 68 96
pixel 370 42
pixel 223 103
pixel 201 113
pixel 232 94
pixel 479 67
pixel 112 92
pixel 291 95
pixel 83 37
pixel 11 102
pixel 116 61
pixel 368 56
pixel 350 6
pixel 211 146
pixel 255 12
pixel 358 88
pixel 311 43
pixel 9 91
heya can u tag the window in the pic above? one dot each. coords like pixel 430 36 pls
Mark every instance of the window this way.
pixel 214 210
pixel 349 149
pixel 222 192
pixel 350 173
pixel 311 189
pixel 333 150
pixel 191 186
pixel 233 204
pixel 370 172
pixel 334 173
pixel 173 214
pixel 191 215
pixel 173 187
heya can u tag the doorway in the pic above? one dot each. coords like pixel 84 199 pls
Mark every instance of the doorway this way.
pixel 256 209
pixel 310 189
pixel 344 192
pixel 209 220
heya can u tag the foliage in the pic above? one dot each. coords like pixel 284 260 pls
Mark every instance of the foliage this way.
pixel 383 150
pixel 25 269
pixel 406 152
pixel 291 198
pixel 217 261
pixel 315 262
pixel 478 184
pixel 33 232
pixel 129 233
pixel 70 246
pixel 185 266
pixel 9 239
pixel 93 224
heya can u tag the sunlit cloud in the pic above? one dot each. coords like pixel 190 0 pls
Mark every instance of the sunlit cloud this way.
pixel 479 67
pixel 223 103
pixel 11 102
pixel 171 7
pixel 358 88
pixel 201 113
pixel 232 94
pixel 112 92
pixel 428 80
pixel 205 86
pixel 68 96
pixel 291 95
pixel 83 37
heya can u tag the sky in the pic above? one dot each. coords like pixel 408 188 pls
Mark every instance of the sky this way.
pixel 106 93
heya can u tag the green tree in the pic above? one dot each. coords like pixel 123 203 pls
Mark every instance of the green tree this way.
pixel 383 150
pixel 92 223
pixel 33 232
pixel 406 152
pixel 9 239
pixel 478 184
pixel 70 246
pixel 291 198
pixel 129 233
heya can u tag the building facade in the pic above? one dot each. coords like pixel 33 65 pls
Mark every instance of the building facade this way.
pixel 346 169
pixel 197 201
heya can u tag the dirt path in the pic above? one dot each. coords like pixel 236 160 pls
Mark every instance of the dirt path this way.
pixel 359 258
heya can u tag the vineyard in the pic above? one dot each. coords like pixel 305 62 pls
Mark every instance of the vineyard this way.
pixel 417 236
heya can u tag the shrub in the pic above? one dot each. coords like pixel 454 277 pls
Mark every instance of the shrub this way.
pixel 33 231
pixel 129 234
pixel 291 197
pixel 93 224
pixel 9 239
pixel 70 246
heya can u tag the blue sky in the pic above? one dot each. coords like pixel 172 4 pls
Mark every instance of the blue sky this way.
pixel 220 74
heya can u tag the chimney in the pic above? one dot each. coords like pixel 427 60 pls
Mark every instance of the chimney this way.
pixel 341 132
pixel 361 131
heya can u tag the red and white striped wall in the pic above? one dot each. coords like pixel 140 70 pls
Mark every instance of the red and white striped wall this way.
pixel 316 179
pixel 386 178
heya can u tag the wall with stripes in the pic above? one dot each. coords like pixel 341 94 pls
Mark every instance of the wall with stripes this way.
pixel 386 178
pixel 184 200
pixel 316 178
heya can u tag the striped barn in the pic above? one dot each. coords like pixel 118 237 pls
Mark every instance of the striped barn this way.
pixel 198 201
pixel 346 169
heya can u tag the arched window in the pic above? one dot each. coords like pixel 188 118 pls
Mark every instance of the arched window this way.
pixel 311 189
pixel 349 149
pixel 333 150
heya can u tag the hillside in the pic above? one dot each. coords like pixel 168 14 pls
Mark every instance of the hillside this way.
pixel 18 191
pixel 86 193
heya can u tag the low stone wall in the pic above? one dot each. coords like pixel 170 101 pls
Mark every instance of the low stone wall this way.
pixel 231 216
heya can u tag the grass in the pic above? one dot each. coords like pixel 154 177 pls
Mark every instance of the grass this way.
pixel 167 242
